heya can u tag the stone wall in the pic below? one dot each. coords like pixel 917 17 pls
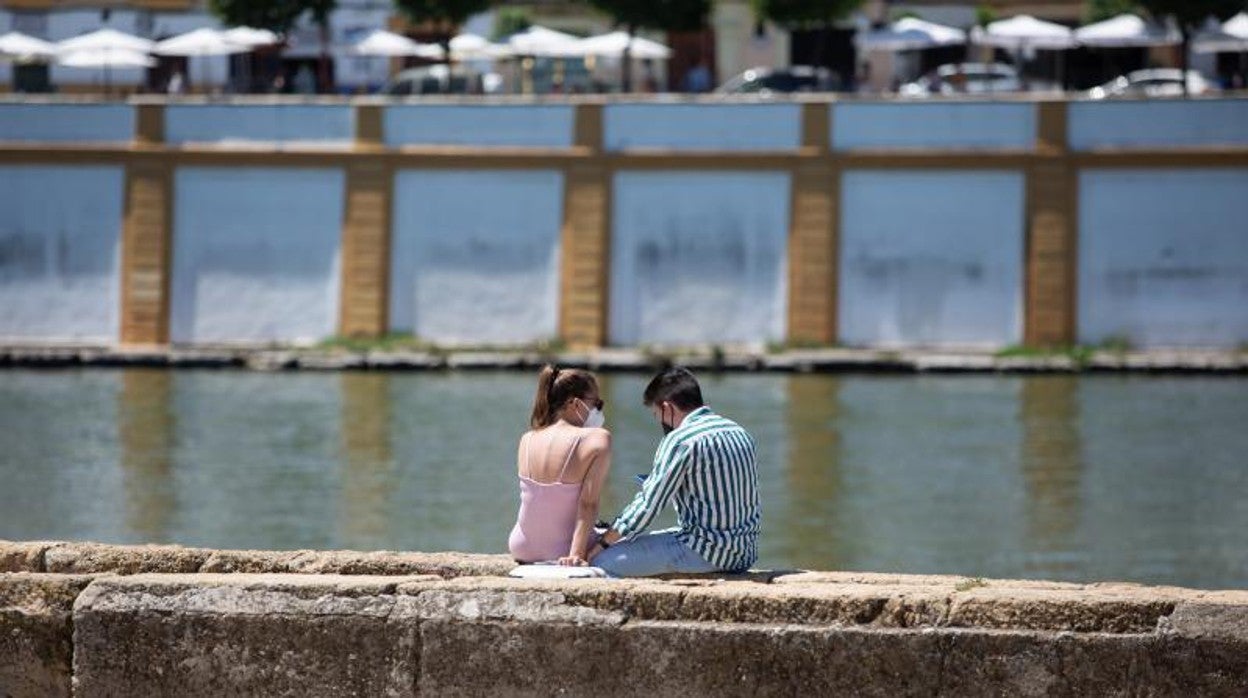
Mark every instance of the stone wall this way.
pixel 99 620
pixel 866 223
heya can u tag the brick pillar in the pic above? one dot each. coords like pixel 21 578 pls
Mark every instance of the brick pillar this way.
pixel 365 294
pixel 813 225
pixel 586 238
pixel 149 127
pixel 146 237
pixel 1052 243
pixel 369 132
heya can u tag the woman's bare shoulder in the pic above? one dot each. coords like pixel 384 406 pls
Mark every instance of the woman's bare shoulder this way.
pixel 596 438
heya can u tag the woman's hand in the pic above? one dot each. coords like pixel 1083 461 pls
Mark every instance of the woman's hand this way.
pixel 573 561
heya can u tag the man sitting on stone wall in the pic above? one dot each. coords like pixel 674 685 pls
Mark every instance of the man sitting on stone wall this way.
pixel 705 466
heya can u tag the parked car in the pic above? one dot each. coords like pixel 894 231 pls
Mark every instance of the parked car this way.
pixel 965 78
pixel 764 81
pixel 437 79
pixel 1154 82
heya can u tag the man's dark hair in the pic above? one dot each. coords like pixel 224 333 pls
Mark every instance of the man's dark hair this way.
pixel 677 386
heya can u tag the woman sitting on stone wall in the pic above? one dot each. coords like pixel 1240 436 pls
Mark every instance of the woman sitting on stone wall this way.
pixel 562 462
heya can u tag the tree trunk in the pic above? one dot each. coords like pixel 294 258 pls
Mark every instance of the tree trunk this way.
pixel 626 66
pixel 445 43
pixel 821 45
pixel 322 67
pixel 1184 57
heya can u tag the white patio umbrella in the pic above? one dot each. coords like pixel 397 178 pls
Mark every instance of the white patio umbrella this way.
pixel 107 49
pixel 1022 32
pixel 467 47
pixel 252 38
pixel 1237 26
pixel 1126 31
pixel 18 45
pixel 380 42
pixel 1230 36
pixel 1025 33
pixel 249 36
pixel 910 34
pixel 615 43
pixel 105 40
pixel 105 58
pixel 199 43
pixel 540 41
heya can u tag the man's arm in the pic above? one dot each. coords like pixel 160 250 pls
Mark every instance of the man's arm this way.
pixel 671 464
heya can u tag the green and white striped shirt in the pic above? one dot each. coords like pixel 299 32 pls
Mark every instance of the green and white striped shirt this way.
pixel 706 468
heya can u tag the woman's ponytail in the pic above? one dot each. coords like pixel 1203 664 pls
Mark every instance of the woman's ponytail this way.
pixel 541 402
pixel 555 387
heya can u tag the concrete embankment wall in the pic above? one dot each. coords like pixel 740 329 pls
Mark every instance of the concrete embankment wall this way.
pixel 871 224
pixel 100 620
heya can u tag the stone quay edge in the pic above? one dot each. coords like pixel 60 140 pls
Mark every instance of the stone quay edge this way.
pixel 823 360
pixel 91 619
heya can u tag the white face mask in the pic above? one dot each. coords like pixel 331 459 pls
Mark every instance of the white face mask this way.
pixel 594 419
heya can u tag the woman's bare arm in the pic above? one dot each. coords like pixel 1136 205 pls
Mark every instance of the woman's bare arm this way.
pixel 599 446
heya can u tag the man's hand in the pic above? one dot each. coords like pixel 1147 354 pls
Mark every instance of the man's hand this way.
pixel 573 561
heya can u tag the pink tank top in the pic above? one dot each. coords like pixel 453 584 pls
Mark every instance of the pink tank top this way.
pixel 547 517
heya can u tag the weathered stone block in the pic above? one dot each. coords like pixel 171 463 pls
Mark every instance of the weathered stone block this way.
pixel 446 565
pixel 672 659
pixel 23 556
pixel 1057 610
pixel 242 634
pixel 36 633
pixel 1213 615
pixel 1153 665
pixel 97 558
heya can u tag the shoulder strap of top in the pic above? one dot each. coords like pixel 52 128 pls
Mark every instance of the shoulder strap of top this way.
pixel 571 452
pixel 524 468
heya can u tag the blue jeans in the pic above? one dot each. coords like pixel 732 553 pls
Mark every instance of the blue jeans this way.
pixel 657 552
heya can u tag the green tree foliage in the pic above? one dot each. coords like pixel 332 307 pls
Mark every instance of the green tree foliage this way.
pixel 453 12
pixel 510 20
pixel 804 14
pixel 1098 10
pixel 321 10
pixel 984 15
pixel 449 12
pixel 274 15
pixel 1190 15
pixel 661 15
pixel 279 16
pixel 807 14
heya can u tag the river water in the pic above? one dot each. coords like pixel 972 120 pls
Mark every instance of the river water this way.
pixel 1074 478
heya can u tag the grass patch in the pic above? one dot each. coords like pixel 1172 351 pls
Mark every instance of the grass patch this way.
pixel 387 342
pixel 1078 354
pixel 971 583
pixel 1018 351
pixel 1116 344
pixel 399 342
pixel 796 345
